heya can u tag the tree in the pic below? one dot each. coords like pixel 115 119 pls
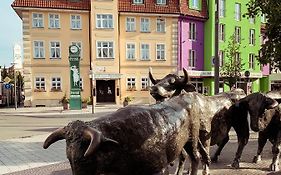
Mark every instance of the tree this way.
pixel 4 72
pixel 232 67
pixel 271 50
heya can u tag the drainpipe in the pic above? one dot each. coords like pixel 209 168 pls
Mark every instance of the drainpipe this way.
pixel 180 44
pixel 91 69
pixel 119 83
pixel 216 47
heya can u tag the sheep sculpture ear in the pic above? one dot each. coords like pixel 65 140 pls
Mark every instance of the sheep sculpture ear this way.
pixel 96 138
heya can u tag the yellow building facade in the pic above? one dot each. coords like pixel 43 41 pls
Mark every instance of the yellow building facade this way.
pixel 105 51
pixel 47 34
pixel 145 47
pixel 118 48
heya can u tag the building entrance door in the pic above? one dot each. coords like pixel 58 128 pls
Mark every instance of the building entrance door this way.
pixel 105 91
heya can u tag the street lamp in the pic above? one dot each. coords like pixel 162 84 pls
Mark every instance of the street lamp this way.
pixel 217 47
pixel 15 84
pixel 247 75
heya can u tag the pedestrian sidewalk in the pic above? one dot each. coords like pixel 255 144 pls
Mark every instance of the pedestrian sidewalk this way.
pixel 25 153
pixel 57 110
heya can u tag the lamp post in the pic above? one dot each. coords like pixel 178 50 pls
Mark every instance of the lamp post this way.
pixel 247 75
pixel 216 60
pixel 15 84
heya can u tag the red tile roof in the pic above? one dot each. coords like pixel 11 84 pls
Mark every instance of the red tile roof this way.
pixel 55 4
pixel 149 6
pixel 184 9
pixel 173 7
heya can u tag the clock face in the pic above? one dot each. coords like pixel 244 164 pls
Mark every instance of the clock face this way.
pixel 73 49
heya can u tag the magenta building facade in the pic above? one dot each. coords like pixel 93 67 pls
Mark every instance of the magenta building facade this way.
pixel 188 45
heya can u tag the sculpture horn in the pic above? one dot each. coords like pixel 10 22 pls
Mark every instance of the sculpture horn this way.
pixel 273 105
pixel 152 79
pixel 96 138
pixel 57 135
pixel 184 80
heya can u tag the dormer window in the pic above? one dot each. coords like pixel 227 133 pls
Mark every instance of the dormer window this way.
pixel 161 2
pixel 137 1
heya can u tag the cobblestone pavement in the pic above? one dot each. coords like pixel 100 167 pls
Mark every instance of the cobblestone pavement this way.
pixel 56 153
pixel 25 156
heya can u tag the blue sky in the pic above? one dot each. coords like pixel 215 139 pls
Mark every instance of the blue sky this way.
pixel 10 32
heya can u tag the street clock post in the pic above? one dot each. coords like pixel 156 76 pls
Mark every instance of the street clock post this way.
pixel 75 90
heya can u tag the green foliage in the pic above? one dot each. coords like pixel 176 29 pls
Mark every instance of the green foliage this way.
pixel 232 67
pixel 89 101
pixel 4 73
pixel 64 100
pixel 271 50
pixel 129 98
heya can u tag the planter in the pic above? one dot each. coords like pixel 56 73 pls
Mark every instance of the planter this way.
pixel 84 105
pixel 125 103
pixel 65 106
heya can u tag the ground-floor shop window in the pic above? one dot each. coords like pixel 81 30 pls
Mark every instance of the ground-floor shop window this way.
pixel 275 85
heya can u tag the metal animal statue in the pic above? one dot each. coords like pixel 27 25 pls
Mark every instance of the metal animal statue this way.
pixel 269 127
pixel 235 116
pixel 139 140
pixel 169 86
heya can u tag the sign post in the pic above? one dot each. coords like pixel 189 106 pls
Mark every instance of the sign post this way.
pixel 75 91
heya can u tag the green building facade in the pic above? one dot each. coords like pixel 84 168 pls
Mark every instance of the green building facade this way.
pixel 247 32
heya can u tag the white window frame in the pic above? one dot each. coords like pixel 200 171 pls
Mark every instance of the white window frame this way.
pixel 192 31
pixel 130 24
pixel 263 18
pixel 41 81
pixel 138 1
pixel 77 22
pixel 104 48
pixel 105 23
pixel 56 83
pixel 222 32
pixel 37 22
pixel 131 83
pixel 55 19
pixel 238 57
pixel 252 37
pixel 81 84
pixel 131 51
pixel 144 83
pixel 191 58
pixel 160 51
pixel 222 9
pixel 80 46
pixel 144 52
pixel 41 50
pixel 221 57
pixel 160 25
pixel 237 11
pixel 237 34
pixel 57 50
pixel 161 2
pixel 251 61
pixel 252 20
pixel 144 25
pixel 195 4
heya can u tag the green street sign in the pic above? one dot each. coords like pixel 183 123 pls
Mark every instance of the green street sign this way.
pixel 75 91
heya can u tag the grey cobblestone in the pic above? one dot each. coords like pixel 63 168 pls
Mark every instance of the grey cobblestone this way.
pixel 25 156
pixel 38 162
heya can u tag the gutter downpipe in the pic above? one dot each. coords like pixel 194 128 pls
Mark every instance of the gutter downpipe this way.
pixel 91 69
